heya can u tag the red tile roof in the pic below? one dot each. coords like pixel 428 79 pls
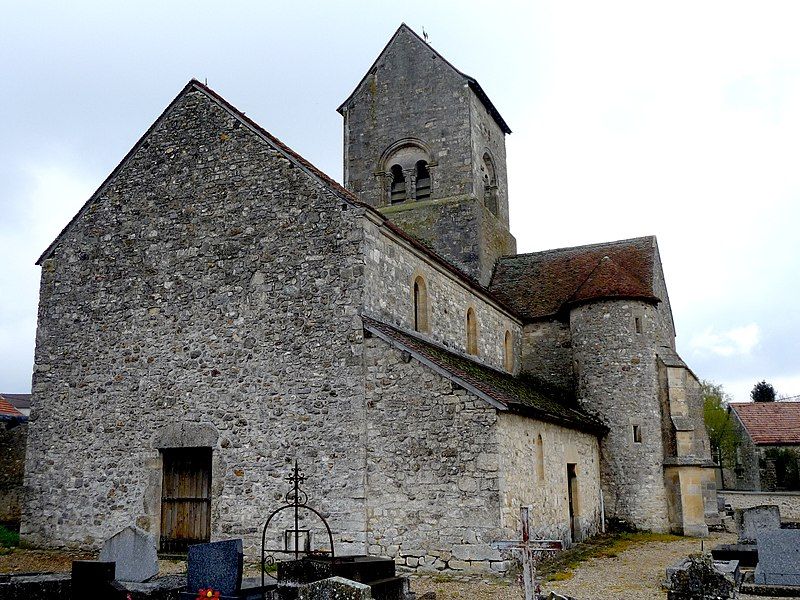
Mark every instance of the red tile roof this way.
pixel 770 423
pixel 544 284
pixel 8 412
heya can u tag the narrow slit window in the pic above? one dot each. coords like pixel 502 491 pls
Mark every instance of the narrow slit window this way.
pixel 508 352
pixel 637 434
pixel 472 332
pixel 539 458
pixel 637 323
pixel 420 305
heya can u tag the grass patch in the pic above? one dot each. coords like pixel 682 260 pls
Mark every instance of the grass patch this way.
pixel 560 567
pixel 8 538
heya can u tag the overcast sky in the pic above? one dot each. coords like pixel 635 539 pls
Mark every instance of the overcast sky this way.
pixel 678 119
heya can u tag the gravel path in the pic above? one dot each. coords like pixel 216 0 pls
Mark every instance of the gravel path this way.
pixel 635 574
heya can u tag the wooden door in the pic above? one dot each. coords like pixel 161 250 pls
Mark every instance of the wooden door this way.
pixel 185 498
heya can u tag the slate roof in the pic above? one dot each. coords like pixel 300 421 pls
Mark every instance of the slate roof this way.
pixel 507 393
pixel 545 284
pixel 9 413
pixel 470 81
pixel 770 423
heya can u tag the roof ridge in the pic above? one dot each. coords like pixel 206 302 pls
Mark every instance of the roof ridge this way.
pixel 580 247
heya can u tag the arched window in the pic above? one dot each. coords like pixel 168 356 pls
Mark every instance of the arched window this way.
pixel 540 458
pixel 489 183
pixel 472 332
pixel 398 193
pixel 423 190
pixel 420 305
pixel 406 165
pixel 508 352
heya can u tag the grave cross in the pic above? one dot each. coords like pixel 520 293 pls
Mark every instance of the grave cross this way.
pixel 525 549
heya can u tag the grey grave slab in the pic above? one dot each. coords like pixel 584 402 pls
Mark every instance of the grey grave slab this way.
pixel 335 588
pixel 778 557
pixel 216 565
pixel 751 521
pixel 134 551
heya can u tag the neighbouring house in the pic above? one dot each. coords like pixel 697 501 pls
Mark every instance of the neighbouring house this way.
pixel 13 437
pixel 219 308
pixel 22 402
pixel 768 457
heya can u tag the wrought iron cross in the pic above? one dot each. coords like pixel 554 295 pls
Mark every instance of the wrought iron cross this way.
pixel 525 550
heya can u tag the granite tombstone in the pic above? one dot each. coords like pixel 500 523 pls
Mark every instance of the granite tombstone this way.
pixel 752 521
pixel 216 565
pixel 134 551
pixel 778 557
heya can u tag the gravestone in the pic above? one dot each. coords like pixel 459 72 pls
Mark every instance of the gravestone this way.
pixel 134 551
pixel 751 521
pixel 335 588
pixel 216 565
pixel 698 578
pixel 778 557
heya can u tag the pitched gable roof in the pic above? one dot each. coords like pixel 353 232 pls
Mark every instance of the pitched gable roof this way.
pixel 9 413
pixel 470 81
pixel 545 284
pixel 300 162
pixel 195 85
pixel 770 423
pixel 18 401
pixel 502 390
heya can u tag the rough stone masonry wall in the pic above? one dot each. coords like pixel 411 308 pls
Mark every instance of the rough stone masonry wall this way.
pixel 617 380
pixel 547 352
pixel 488 137
pixel 216 285
pixel 521 485
pixel 390 270
pixel 12 468
pixel 432 469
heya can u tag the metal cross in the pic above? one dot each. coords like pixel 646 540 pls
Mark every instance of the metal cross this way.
pixel 525 551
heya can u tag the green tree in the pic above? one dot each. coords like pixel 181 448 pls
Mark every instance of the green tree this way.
pixel 722 433
pixel 763 392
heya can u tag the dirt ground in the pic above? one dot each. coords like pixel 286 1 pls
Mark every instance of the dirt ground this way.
pixel 634 574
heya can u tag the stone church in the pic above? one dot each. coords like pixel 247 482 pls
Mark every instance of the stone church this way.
pixel 220 307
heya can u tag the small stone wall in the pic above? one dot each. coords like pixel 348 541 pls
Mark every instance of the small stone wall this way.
pixel 12 469
pixel 788 502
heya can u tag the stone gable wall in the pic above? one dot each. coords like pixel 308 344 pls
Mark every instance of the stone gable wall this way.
pixel 617 380
pixel 432 468
pixel 213 284
pixel 390 270
pixel 521 485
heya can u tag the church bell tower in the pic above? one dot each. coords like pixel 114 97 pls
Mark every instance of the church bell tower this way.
pixel 424 145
